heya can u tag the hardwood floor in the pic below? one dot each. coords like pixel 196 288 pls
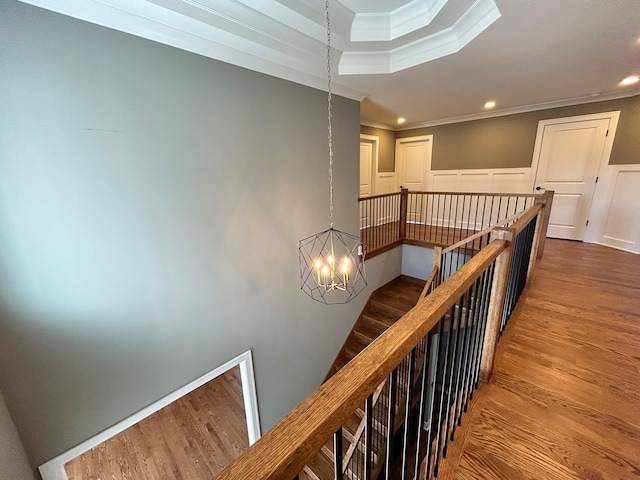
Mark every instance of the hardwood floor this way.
pixel 564 399
pixel 195 437
pixel 416 234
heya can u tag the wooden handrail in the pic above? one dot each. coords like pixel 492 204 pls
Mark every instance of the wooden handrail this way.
pixel 373 197
pixel 526 217
pixel 285 449
pixel 480 194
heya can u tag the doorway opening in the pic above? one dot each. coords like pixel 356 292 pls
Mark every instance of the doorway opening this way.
pixel 183 425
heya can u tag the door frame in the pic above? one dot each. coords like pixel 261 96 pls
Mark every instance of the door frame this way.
pixel 54 468
pixel 375 141
pixel 596 222
pixel 608 145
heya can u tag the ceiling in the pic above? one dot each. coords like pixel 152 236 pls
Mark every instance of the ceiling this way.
pixel 429 61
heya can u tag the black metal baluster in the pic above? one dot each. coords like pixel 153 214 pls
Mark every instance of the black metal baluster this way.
pixel 475 333
pixel 424 393
pixel 443 356
pixel 391 416
pixel 337 454
pixel 454 365
pixel 466 355
pixel 434 340
pixel 407 413
pixel 483 323
pixel 368 412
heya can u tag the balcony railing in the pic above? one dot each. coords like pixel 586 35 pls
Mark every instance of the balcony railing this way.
pixel 412 385
pixel 436 218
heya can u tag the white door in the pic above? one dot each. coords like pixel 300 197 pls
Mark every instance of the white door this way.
pixel 569 158
pixel 413 166
pixel 366 169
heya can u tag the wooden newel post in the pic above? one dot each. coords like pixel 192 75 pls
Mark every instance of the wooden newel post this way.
pixel 547 202
pixel 496 303
pixel 404 200
pixel 437 262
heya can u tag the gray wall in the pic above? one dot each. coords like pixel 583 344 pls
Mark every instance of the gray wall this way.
pixel 151 202
pixel 508 141
pixel 13 459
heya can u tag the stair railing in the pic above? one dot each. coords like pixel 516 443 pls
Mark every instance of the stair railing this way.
pixel 453 320
pixel 426 367
pixel 453 257
pixel 437 218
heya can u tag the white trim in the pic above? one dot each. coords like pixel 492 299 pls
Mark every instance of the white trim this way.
pixel 480 15
pixel 375 141
pixel 54 468
pixel 145 19
pixel 387 26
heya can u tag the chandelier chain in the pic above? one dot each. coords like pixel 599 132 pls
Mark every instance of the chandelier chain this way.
pixel 329 113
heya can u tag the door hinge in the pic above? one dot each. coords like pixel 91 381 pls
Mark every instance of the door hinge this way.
pixel 587 223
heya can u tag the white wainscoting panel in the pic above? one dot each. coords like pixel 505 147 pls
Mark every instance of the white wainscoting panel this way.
pixel 385 183
pixel 497 180
pixel 443 181
pixel 622 221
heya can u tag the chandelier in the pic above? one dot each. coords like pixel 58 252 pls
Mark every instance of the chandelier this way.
pixel 331 262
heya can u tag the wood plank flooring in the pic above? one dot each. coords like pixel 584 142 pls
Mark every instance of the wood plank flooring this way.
pixel 416 234
pixel 564 400
pixel 195 437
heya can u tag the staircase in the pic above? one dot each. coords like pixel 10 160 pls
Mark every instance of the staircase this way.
pixel 385 306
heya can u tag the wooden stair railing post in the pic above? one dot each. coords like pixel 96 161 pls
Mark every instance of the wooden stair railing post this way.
pixel 404 200
pixel 496 302
pixel 547 202
pixel 437 257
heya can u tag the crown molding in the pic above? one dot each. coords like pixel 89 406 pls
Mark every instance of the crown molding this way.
pixel 388 26
pixel 445 42
pixel 523 109
pixel 155 22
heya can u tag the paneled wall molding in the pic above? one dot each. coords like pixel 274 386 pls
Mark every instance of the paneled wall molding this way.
pixel 615 216
pixel 495 180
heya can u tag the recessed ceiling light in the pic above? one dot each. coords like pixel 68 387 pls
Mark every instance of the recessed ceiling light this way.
pixel 401 120
pixel 630 80
pixel 490 104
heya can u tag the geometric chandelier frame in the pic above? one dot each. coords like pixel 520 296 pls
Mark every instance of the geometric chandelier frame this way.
pixel 332 266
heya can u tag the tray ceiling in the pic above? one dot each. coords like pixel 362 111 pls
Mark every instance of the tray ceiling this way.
pixel 430 61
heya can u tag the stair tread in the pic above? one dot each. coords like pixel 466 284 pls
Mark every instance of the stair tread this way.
pixel 369 330
pixel 382 316
pixel 321 466
pixel 399 303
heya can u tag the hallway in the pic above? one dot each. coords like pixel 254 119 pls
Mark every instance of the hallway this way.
pixel 564 399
